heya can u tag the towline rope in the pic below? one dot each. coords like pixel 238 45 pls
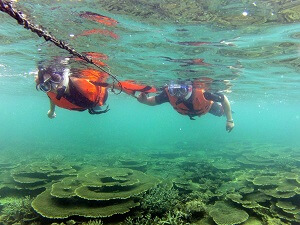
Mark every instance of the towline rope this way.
pixel 6 7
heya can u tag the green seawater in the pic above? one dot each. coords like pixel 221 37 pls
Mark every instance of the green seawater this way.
pixel 199 165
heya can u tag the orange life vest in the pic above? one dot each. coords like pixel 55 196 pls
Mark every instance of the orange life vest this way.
pixel 82 95
pixel 200 105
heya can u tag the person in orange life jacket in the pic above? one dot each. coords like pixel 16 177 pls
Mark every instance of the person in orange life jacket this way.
pixel 192 101
pixel 70 92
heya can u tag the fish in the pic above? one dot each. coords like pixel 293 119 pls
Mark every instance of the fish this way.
pixel 182 30
pixel 194 43
pixel 99 31
pixel 96 55
pixel 188 62
pixel 99 18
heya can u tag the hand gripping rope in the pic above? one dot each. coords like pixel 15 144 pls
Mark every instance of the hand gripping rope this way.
pixel 7 8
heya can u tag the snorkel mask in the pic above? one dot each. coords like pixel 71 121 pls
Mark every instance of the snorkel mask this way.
pixel 179 90
pixel 48 80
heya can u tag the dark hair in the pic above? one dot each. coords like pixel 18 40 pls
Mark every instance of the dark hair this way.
pixel 42 71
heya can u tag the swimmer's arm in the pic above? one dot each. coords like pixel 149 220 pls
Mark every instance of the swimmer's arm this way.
pixel 51 113
pixel 227 110
pixel 153 100
pixel 218 97
pixel 142 98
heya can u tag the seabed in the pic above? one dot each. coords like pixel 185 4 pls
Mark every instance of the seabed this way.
pixel 240 183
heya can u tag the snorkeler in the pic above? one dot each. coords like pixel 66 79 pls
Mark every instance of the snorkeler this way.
pixel 72 90
pixel 80 89
pixel 188 99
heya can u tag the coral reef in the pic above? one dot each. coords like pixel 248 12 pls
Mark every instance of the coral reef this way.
pixel 142 220
pixel 160 200
pixel 173 218
pixel 195 209
pixel 17 210
pixel 97 193
pixel 259 184
pixel 35 176
pixel 222 13
pixel 93 222
pixel 225 214
pixel 132 164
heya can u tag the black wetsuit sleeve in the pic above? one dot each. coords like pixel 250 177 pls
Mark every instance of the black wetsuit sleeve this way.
pixel 162 98
pixel 216 97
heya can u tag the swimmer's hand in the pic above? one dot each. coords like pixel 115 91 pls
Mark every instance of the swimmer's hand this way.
pixel 51 114
pixel 229 126
pixel 142 98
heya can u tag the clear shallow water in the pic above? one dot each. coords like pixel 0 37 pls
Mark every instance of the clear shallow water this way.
pixel 259 73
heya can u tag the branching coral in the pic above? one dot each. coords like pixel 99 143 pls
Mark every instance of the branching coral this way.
pixel 93 222
pixel 174 218
pixel 160 200
pixel 17 210
pixel 142 220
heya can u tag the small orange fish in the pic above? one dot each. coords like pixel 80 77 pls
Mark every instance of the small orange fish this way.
pixel 100 31
pixel 99 18
pixel 96 55
pixel 198 62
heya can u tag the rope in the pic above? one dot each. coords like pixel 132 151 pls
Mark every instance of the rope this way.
pixel 6 7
